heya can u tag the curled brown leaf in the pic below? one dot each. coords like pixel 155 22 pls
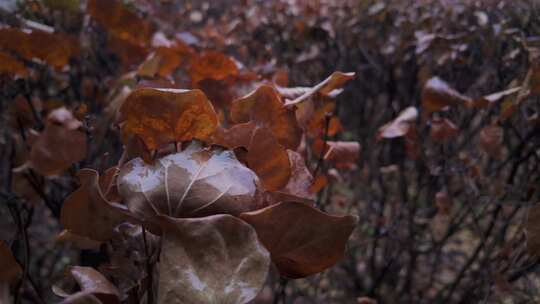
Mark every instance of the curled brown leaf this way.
pixel 301 239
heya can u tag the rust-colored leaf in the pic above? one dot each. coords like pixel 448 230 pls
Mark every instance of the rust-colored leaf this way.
pixel 442 129
pixel 301 239
pixel 162 116
pixel 265 108
pixel 9 268
pixel 78 241
pixel 120 21
pixel 212 65
pixel 268 159
pixel 437 94
pixel 333 82
pixel 400 125
pixel 52 48
pixel 129 53
pixel 214 259
pixel 491 139
pixel 12 66
pixel 298 186
pixel 86 212
pixel 318 183
pixel 238 135
pixel 192 183
pixel 59 145
pixel 93 286
pixel 343 153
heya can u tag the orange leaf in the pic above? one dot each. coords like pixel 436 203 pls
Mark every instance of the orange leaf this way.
pixel 12 66
pixel 161 116
pixel 301 239
pixel 318 184
pixel 333 82
pixel 120 21
pixel 265 108
pixel 268 159
pixel 437 94
pixel 238 135
pixel 54 49
pixel 212 65
pixel 298 187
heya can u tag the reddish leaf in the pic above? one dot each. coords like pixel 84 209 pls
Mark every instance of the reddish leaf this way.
pixel 10 270
pixel 12 66
pixel 400 125
pixel 238 135
pixel 298 187
pixel 120 21
pixel 268 159
pixel 86 212
pixel 80 242
pixel 59 145
pixel 265 108
pixel 437 94
pixel 491 139
pixel 192 183
pixel 333 82
pixel 212 65
pixel 442 129
pixel 301 239
pixel 162 116
pixel 318 184
pixel 215 259
pixel 54 49
pixel 343 153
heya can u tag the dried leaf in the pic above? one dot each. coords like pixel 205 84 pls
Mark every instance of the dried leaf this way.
pixel 298 187
pixel 214 259
pixel 265 108
pixel 333 82
pixel 238 135
pixel 54 49
pixel 87 212
pixel 343 153
pixel 437 94
pixel 268 159
pixel 319 183
pixel 12 66
pixel 494 97
pixel 92 284
pixel 162 116
pixel 491 139
pixel 59 145
pixel 212 65
pixel 442 129
pixel 192 183
pixel 400 125
pixel 120 21
pixel 301 239
pixel 9 268
pixel 80 242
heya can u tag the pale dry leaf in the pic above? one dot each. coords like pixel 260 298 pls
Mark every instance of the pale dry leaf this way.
pixel 214 259
pixel 195 182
